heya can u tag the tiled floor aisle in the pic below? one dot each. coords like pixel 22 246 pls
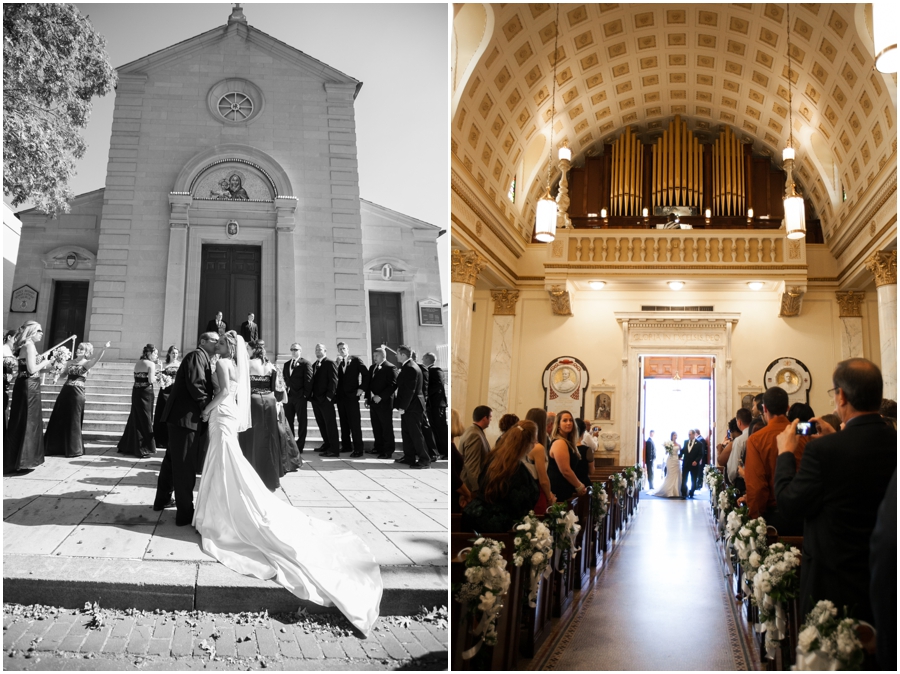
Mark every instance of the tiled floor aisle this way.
pixel 659 605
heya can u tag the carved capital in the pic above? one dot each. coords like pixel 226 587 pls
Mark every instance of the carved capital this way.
pixel 505 302
pixel 850 303
pixel 790 303
pixel 465 266
pixel 559 300
pixel 883 264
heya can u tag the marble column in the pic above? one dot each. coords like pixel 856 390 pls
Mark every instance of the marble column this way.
pixel 850 303
pixel 465 267
pixel 501 350
pixel 883 264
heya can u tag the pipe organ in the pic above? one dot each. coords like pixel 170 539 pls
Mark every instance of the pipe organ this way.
pixel 677 167
pixel 627 173
pixel 729 191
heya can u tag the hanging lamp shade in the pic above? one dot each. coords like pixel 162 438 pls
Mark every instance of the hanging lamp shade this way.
pixel 795 217
pixel 884 24
pixel 545 225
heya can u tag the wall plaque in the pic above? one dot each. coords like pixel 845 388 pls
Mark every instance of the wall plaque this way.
pixel 792 376
pixel 24 300
pixel 430 313
pixel 565 380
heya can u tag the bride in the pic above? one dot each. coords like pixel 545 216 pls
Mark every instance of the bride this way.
pixel 671 488
pixel 248 529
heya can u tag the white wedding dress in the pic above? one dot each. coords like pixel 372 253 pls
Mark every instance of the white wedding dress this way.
pixel 671 487
pixel 251 531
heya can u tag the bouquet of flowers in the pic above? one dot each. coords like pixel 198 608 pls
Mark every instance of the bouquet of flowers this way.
pixel 714 480
pixel 59 357
pixel 599 504
pixel 164 380
pixel 734 521
pixel 487 580
pixel 727 502
pixel 629 475
pixel 671 448
pixel 826 643
pixel 563 525
pixel 775 582
pixel 619 485
pixel 534 545
pixel 9 368
pixel 751 548
pixel 639 471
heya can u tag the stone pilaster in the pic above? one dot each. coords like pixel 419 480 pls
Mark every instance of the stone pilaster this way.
pixel 286 305
pixel 501 349
pixel 176 271
pixel 464 270
pixel 883 264
pixel 850 303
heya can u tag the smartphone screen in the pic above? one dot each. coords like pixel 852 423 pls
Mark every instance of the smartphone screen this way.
pixel 805 428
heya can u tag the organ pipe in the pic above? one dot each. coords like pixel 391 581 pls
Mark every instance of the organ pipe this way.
pixel 677 167
pixel 627 177
pixel 729 198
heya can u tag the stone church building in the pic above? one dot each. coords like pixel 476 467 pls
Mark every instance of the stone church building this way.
pixel 233 186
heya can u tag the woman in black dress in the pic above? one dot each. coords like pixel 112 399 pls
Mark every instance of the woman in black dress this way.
pixel 24 446
pixel 506 490
pixel 564 458
pixel 170 369
pixel 63 434
pixel 137 439
pixel 9 374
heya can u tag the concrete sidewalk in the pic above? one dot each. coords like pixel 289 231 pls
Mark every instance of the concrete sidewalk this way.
pixel 83 529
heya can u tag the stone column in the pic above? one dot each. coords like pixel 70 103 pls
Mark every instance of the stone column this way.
pixel 850 303
pixel 884 265
pixel 286 279
pixel 501 349
pixel 176 274
pixel 465 267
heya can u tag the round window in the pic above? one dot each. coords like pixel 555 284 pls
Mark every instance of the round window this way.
pixel 235 106
pixel 235 101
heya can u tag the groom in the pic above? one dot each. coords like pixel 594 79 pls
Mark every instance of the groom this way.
pixel 691 456
pixel 191 392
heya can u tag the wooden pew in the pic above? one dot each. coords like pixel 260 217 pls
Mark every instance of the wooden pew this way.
pixel 564 583
pixel 536 621
pixel 583 557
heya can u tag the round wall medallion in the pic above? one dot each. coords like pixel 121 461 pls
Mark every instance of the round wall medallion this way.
pixel 235 101
pixel 792 376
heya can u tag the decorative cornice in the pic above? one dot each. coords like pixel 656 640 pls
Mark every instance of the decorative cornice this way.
pixel 505 302
pixel 850 303
pixel 883 264
pixel 460 227
pixel 465 266
pixel 483 212
pixel 560 301
pixel 888 190
pixel 580 266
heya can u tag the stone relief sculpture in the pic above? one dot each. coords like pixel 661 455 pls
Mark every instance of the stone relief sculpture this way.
pixel 229 183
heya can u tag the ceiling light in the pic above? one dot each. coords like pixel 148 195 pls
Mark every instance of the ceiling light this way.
pixel 884 24
pixel 597 285
pixel 794 208
pixel 756 285
pixel 676 285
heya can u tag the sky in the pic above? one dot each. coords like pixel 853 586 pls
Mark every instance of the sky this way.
pixel 399 52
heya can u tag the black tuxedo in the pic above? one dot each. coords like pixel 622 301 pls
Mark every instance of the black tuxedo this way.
pixel 427 433
pixel 382 383
pixel 189 395
pixel 436 407
pixel 324 389
pixel 352 376
pixel 842 480
pixel 249 331
pixel 298 380
pixel 411 401
pixel 690 453
pixel 219 327
pixel 649 457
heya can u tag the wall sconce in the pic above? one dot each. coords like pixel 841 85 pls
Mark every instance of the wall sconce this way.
pixel 755 285
pixel 597 285
pixel 676 285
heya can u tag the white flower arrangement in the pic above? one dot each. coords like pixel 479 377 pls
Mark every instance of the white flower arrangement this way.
pixel 59 357
pixel 619 485
pixel 671 448
pixel 599 504
pixel 534 546
pixel 828 643
pixel 776 581
pixel 487 581
pixel 165 381
pixel 714 479
pixel 564 527
pixel 751 548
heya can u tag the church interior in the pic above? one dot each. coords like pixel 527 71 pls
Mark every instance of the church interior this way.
pixel 663 191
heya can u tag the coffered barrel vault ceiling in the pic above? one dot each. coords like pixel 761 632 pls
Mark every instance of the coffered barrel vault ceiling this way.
pixel 639 65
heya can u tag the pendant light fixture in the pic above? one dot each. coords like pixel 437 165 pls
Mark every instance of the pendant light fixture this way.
pixel 546 212
pixel 794 208
pixel 884 25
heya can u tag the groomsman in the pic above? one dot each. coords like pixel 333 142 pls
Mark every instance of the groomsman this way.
pixel 649 456
pixel 380 393
pixel 411 403
pixel 249 329
pixel 436 402
pixel 217 325
pixel 324 389
pixel 353 379
pixel 297 375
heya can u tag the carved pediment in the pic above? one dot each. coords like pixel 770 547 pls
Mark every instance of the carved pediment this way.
pixel 69 257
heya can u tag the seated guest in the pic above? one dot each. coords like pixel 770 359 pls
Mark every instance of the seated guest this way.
pixel 739 449
pixel 837 491
pixel 459 495
pixel 507 421
pixel 507 491
pixel 564 457
pixel 759 463
pixel 800 411
pixel 541 459
pixel 585 468
pixel 474 447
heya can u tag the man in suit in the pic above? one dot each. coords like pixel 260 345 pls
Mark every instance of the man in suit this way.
pixel 837 490
pixel 380 394
pixel 353 378
pixel 475 448
pixel 430 444
pixel 324 389
pixel 297 375
pixel 190 393
pixel 649 456
pixel 691 458
pixel 436 402
pixel 411 402
pixel 249 329
pixel 217 325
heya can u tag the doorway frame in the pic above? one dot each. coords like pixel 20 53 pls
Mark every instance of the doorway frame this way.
pixel 675 333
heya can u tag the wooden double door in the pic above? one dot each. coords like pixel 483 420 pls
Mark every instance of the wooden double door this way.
pixel 386 321
pixel 230 283
pixel 69 313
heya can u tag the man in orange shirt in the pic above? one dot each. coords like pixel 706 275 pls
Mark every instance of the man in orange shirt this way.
pixel 759 464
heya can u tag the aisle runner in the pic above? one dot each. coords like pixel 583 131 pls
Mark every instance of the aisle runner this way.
pixel 661 604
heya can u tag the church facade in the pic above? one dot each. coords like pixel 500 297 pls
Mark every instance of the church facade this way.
pixel 631 114
pixel 233 186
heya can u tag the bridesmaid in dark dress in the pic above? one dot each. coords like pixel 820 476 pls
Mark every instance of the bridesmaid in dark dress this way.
pixel 9 374
pixel 24 446
pixel 63 434
pixel 170 369
pixel 137 439
pixel 564 458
